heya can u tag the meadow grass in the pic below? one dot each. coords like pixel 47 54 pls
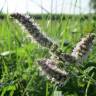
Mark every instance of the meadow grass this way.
pixel 19 71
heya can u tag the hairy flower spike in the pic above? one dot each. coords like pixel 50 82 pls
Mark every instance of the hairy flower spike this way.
pixel 50 68
pixel 36 33
pixel 83 47
pixel 33 29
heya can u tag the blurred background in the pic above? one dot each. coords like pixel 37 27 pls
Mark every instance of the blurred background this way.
pixel 48 6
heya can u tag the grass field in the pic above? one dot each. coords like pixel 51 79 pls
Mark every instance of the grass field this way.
pixel 19 71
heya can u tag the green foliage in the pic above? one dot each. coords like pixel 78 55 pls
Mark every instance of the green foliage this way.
pixel 19 71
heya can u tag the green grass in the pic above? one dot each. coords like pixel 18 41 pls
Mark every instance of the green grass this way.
pixel 19 71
